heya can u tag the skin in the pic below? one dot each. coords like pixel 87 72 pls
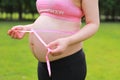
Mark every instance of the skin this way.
pixel 68 45
pixel 92 23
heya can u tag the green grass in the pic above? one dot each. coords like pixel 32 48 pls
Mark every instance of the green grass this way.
pixel 16 59
pixel 102 54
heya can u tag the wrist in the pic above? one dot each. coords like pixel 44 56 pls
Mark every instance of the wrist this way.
pixel 71 40
pixel 28 27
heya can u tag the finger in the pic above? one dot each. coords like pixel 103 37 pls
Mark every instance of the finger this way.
pixel 9 32
pixel 16 35
pixel 52 45
pixel 20 35
pixel 18 28
pixel 55 52
pixel 13 34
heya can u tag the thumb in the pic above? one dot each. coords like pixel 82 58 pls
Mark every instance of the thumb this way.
pixel 56 51
pixel 52 45
pixel 18 27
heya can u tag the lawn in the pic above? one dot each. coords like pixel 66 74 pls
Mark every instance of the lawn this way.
pixel 102 54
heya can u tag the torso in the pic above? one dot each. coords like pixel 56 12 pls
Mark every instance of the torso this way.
pixel 45 22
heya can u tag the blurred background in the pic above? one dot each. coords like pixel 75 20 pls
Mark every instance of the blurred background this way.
pixel 102 50
pixel 26 10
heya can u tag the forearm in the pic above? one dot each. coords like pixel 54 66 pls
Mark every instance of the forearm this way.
pixel 29 25
pixel 86 32
pixel 91 12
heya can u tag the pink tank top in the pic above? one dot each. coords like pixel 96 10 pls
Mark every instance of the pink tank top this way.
pixel 61 9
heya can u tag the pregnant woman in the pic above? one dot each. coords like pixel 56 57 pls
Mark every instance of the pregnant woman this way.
pixel 59 27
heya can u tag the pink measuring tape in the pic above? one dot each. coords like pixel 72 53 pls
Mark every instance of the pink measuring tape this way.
pixel 48 49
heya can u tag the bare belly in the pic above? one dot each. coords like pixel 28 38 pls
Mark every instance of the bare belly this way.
pixel 44 23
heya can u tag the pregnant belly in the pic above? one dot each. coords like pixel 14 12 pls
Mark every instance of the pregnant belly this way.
pixel 39 50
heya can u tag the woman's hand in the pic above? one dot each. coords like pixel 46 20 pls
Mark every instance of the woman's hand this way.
pixel 15 32
pixel 58 46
